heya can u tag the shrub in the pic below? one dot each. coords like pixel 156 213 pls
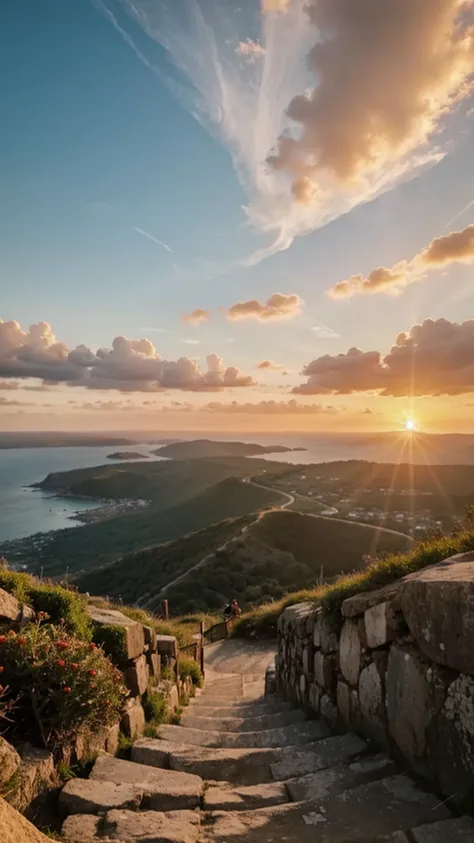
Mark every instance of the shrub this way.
pixel 57 602
pixel 62 685
pixel 114 641
pixel 155 706
pixel 188 667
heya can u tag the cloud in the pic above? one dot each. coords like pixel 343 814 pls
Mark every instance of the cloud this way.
pixel 278 306
pixel 129 365
pixel 291 407
pixel 7 402
pixel 369 108
pixel 369 121
pixel 268 364
pixel 324 332
pixel 434 358
pixel 155 239
pixel 192 341
pixel 249 49
pixel 8 385
pixel 196 317
pixel 456 247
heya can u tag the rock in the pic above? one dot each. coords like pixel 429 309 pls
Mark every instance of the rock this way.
pixel 35 774
pixel 10 609
pixel 150 638
pixel 324 670
pixel 136 676
pixel 438 606
pixel 9 761
pixel 134 642
pixel 27 616
pixel 314 695
pixel 112 739
pixel 328 710
pixel 81 828
pixel 163 790
pixel 326 753
pixel 86 796
pixel 344 702
pixel 411 703
pixel 380 625
pixel 223 797
pixel 16 829
pixel 460 830
pixel 167 646
pixel 372 704
pixel 451 742
pixel 350 652
pixel 154 665
pixel 329 635
pixel 133 720
pixel 317 786
pixel 358 605
pixel 153 826
pixel 396 837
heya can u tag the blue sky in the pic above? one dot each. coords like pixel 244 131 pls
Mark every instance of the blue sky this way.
pixel 96 145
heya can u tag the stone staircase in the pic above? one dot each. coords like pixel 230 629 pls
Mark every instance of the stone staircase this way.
pixel 247 767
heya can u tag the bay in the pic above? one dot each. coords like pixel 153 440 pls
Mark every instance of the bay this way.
pixel 25 511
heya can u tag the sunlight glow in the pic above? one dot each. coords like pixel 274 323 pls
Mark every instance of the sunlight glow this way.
pixel 410 424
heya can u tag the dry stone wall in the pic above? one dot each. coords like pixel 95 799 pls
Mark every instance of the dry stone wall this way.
pixel 396 666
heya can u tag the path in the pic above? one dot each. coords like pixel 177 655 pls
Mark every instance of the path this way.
pixel 244 768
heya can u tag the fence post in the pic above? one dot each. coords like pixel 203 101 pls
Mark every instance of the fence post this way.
pixel 165 610
pixel 202 649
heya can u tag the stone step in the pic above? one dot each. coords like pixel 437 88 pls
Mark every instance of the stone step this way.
pixel 222 700
pixel 317 786
pixel 293 735
pixel 264 705
pixel 219 690
pixel 134 827
pixel 360 815
pixel 459 830
pixel 223 797
pixel 237 766
pixel 298 761
pixel 162 790
pixel 192 720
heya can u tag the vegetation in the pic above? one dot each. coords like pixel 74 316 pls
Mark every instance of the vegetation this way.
pixel 262 622
pixel 62 606
pixel 61 685
pixel 206 448
pixel 188 667
pixel 155 707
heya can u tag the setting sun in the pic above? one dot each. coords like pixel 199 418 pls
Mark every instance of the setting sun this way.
pixel 410 424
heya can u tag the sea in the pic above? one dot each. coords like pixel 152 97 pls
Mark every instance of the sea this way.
pixel 25 511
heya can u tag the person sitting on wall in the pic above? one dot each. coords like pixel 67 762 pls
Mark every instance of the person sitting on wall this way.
pixel 232 611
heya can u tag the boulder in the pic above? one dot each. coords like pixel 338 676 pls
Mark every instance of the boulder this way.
pixel 381 625
pixel 359 603
pixel 329 634
pixel 164 790
pixel 136 676
pixel 344 702
pixel 134 635
pixel 167 646
pixel 350 652
pixel 86 796
pixel 150 638
pixel 34 775
pixel 451 742
pixel 133 720
pixel 372 704
pixel 438 606
pixel 413 697
pixel 152 826
pixel 324 670
pixel 10 609
pixel 154 665
pixel 9 761
pixel 16 829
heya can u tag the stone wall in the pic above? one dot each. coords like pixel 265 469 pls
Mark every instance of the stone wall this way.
pixel 396 666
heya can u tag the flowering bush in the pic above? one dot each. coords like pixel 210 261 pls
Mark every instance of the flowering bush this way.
pixel 61 685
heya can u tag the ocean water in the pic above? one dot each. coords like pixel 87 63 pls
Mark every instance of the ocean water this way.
pixel 25 511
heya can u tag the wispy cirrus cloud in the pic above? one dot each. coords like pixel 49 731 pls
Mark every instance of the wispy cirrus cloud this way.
pixel 325 64
pixel 154 239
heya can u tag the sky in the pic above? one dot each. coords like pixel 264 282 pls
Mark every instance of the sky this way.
pixel 250 215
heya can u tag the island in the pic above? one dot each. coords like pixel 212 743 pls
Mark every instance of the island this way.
pixel 127 455
pixel 208 448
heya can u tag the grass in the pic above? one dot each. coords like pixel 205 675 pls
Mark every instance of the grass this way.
pixel 188 667
pixel 262 622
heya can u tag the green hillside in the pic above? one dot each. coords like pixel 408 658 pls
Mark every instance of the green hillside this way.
pixel 95 545
pixel 281 552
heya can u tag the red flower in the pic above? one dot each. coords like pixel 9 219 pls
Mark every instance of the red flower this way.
pixel 60 663
pixel 92 646
pixel 21 640
pixel 3 639
pixel 62 645
pixel 1 668
pixel 75 666
pixel 92 672
pixel 67 689
pixel 107 702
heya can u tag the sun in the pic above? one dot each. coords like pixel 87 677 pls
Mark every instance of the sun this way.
pixel 410 424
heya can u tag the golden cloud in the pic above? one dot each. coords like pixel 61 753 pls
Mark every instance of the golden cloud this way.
pixel 457 247
pixel 434 358
pixel 382 89
pixel 291 407
pixel 278 306
pixel 197 316
pixel 268 364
